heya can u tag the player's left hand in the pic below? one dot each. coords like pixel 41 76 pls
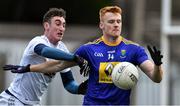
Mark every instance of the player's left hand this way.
pixel 83 64
pixel 156 55
pixel 17 68
pixel 83 87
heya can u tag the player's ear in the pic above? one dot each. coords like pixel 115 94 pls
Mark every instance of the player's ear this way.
pixel 46 25
pixel 101 25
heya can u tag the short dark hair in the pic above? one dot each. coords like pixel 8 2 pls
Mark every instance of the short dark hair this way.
pixel 52 12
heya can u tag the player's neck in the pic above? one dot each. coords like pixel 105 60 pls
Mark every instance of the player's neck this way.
pixel 112 40
pixel 52 41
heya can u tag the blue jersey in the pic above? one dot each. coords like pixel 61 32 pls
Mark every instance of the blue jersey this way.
pixel 102 58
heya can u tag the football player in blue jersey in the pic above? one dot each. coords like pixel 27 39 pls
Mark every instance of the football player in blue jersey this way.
pixel 107 51
pixel 103 54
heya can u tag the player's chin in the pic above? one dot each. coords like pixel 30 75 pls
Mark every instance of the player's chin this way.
pixel 116 32
pixel 60 38
pixel 116 35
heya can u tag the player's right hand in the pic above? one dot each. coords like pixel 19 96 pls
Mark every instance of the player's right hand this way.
pixel 17 68
pixel 83 87
pixel 83 64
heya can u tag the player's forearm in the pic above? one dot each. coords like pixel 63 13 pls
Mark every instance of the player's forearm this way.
pixel 45 67
pixel 51 66
pixel 156 56
pixel 157 74
pixel 69 83
pixel 152 71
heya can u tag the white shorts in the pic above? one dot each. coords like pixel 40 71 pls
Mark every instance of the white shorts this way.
pixel 8 100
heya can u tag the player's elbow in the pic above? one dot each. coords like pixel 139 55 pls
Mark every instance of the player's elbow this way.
pixel 157 80
pixel 71 87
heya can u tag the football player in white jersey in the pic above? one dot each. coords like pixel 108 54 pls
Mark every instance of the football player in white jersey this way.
pixel 27 88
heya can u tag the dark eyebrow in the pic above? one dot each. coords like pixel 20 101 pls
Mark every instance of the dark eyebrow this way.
pixel 57 20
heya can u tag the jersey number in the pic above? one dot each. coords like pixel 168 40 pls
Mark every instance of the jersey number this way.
pixel 110 56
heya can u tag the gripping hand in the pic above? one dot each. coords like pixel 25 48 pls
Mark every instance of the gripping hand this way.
pixel 156 55
pixel 83 64
pixel 17 68
pixel 83 87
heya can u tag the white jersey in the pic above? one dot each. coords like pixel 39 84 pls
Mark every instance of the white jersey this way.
pixel 29 87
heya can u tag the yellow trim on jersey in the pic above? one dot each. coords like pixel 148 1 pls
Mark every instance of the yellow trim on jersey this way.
pixel 97 41
pixel 120 39
pixel 129 42
pixel 112 43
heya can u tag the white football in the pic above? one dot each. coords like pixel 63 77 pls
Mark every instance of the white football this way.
pixel 125 75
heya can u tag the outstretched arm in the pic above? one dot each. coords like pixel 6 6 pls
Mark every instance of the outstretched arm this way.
pixel 153 70
pixel 57 54
pixel 46 67
pixel 51 66
pixel 53 53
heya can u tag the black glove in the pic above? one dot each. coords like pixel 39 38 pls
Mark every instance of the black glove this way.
pixel 17 68
pixel 156 55
pixel 83 64
pixel 83 87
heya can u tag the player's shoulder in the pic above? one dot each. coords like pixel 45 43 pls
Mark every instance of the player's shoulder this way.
pixel 90 44
pixel 37 38
pixel 129 42
pixel 94 42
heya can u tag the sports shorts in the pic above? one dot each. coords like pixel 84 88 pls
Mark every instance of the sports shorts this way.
pixel 9 100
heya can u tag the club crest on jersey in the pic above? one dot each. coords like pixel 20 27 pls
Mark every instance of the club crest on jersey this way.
pixel 123 54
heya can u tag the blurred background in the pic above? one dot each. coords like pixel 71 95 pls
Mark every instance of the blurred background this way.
pixel 153 22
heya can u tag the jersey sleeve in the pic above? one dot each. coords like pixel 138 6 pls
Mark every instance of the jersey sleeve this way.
pixel 64 48
pixel 35 41
pixel 141 55
pixel 53 53
pixel 80 51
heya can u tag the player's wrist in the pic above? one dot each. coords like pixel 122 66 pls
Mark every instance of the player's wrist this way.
pixel 158 63
pixel 27 68
pixel 22 69
pixel 77 60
